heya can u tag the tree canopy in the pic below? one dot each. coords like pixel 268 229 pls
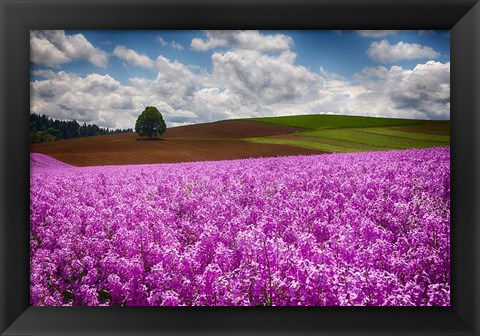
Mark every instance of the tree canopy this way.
pixel 150 123
pixel 43 128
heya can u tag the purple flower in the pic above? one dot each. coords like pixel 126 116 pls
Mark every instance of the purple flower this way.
pixel 341 229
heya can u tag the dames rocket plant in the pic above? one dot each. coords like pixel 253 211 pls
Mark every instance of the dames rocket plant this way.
pixel 339 229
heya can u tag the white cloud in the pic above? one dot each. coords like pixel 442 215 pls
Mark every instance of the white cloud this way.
pixel 176 45
pixel 242 39
pixel 133 58
pixel 382 33
pixel 263 78
pixel 243 83
pixel 93 99
pixel 175 81
pixel 377 33
pixel 45 53
pixel 212 104
pixel 173 44
pixel 423 92
pixel 53 48
pixel 383 52
pixel 162 42
pixel 252 75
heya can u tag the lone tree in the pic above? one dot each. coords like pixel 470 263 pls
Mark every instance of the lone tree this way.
pixel 150 123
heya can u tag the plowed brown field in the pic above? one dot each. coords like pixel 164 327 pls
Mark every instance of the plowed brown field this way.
pixel 180 144
pixel 229 129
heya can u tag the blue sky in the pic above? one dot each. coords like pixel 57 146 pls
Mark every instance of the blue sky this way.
pixel 108 77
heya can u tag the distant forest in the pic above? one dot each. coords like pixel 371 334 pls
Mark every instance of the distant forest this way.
pixel 43 129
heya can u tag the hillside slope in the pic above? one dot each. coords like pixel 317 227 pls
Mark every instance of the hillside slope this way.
pixel 338 133
pixel 203 142
pixel 252 138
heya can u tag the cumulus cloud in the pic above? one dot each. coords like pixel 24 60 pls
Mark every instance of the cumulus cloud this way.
pixel 243 83
pixel 132 57
pixel 106 102
pixel 95 98
pixel 53 48
pixel 242 39
pixel 264 78
pixel 423 92
pixel 383 52
pixel 216 104
pixel 175 81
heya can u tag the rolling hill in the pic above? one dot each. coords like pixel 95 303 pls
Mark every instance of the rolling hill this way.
pixel 250 138
pixel 357 134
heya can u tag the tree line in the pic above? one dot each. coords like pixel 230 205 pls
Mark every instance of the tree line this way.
pixel 43 129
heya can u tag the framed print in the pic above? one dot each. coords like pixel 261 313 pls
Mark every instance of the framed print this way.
pixel 174 174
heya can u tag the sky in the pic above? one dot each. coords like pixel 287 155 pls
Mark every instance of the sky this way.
pixel 109 77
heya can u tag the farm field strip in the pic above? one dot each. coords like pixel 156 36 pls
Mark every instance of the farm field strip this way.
pixel 228 129
pixel 357 139
pixel 320 143
pixel 341 229
pixel 371 138
pixel 437 128
pixel 324 121
pixel 333 147
pixel 357 134
pixel 445 139
pixel 96 152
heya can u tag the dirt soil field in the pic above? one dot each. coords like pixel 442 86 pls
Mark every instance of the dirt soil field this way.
pixel 229 129
pixel 124 149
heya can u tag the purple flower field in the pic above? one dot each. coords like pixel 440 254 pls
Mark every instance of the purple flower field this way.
pixel 340 229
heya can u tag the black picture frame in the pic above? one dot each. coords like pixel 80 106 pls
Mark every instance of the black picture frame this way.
pixel 461 17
